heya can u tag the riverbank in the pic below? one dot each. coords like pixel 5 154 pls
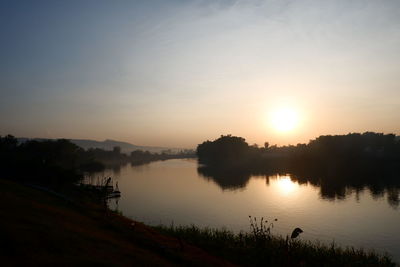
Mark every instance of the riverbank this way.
pixel 39 228
pixel 261 248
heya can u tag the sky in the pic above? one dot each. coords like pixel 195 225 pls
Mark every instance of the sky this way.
pixel 177 73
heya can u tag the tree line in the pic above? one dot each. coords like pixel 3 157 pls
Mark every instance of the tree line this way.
pixel 327 151
pixel 331 162
pixel 136 157
pixel 50 162
pixel 59 161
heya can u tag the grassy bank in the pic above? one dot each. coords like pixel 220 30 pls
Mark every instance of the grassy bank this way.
pixel 260 248
pixel 39 228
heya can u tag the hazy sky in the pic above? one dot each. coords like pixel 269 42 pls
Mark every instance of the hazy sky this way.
pixel 175 73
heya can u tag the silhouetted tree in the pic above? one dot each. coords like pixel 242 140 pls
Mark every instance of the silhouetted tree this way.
pixel 45 161
pixel 333 163
pixel 117 150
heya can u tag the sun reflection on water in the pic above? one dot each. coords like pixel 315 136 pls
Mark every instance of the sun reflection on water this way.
pixel 286 185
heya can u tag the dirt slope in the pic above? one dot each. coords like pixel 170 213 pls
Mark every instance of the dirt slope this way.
pixel 37 228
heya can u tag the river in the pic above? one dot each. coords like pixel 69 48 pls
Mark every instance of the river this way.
pixel 174 191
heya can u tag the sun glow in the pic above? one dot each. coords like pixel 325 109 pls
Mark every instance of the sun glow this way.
pixel 284 119
pixel 286 185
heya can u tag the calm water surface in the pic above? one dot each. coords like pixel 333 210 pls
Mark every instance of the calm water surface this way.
pixel 173 191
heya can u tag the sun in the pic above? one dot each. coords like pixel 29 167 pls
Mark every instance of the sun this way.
pixel 284 119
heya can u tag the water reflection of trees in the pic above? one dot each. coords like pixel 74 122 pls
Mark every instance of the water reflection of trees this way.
pixel 338 184
pixel 338 165
pixel 225 179
pixel 347 184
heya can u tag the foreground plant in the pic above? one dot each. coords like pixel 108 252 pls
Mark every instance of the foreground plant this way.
pixel 259 247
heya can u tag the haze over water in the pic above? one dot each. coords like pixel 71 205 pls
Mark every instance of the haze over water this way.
pixel 174 192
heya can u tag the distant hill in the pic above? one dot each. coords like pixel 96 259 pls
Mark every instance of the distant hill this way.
pixel 125 147
pixel 110 144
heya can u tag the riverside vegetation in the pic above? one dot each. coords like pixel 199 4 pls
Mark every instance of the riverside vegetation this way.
pixel 259 247
pixel 70 225
pixel 333 163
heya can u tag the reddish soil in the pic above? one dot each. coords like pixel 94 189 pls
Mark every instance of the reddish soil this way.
pixel 37 228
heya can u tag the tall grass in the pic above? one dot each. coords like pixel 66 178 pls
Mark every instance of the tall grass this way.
pixel 260 248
